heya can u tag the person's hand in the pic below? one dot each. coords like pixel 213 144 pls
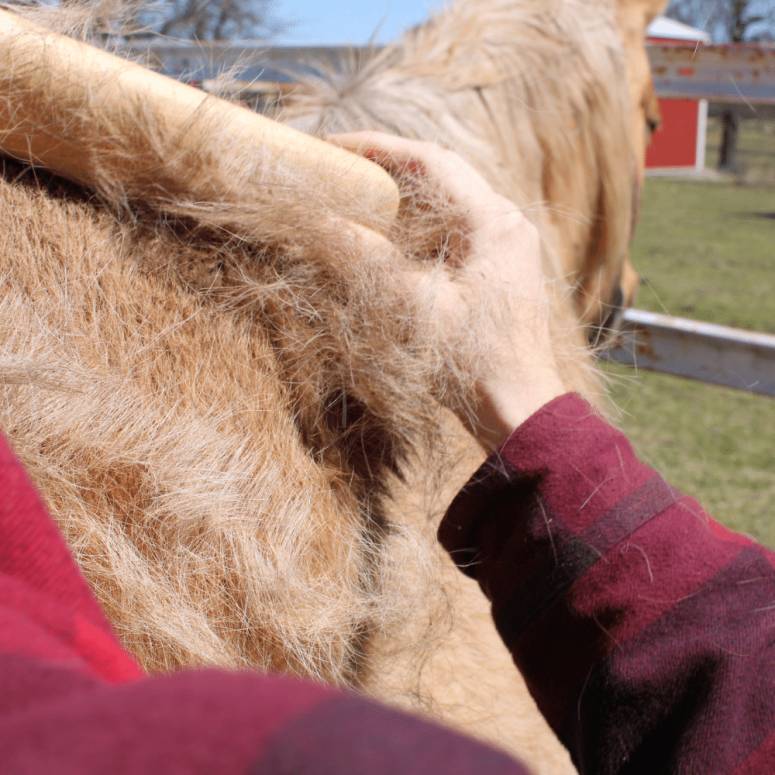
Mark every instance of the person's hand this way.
pixel 488 302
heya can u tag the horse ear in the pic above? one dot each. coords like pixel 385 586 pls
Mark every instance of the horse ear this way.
pixel 654 8
pixel 649 9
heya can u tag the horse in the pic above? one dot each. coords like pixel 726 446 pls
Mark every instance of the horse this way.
pixel 246 455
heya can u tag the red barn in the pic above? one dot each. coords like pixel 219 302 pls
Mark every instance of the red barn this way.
pixel 679 144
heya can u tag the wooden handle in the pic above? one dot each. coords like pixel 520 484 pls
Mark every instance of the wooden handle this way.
pixel 63 104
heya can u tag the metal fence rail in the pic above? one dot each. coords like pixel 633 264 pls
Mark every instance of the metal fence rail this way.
pixel 244 60
pixel 738 72
pixel 728 73
pixel 707 352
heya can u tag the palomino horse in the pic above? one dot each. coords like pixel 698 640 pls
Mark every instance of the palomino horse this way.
pixel 527 92
pixel 241 446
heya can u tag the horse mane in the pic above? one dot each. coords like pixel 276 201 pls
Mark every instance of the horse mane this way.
pixel 533 93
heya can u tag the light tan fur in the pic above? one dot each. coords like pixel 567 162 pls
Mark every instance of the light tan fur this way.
pixel 532 93
pixel 231 408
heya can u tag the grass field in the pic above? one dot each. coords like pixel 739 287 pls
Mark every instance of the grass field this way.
pixel 756 150
pixel 706 250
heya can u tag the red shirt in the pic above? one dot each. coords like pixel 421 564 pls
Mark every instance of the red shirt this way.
pixel 644 629
pixel 646 632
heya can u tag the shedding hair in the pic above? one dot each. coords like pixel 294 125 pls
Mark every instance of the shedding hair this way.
pixel 239 418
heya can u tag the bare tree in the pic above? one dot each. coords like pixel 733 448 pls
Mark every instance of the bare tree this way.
pixel 192 19
pixel 220 19
pixel 728 21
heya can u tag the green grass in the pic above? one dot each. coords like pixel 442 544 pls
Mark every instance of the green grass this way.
pixel 706 251
pixel 756 149
pixel 715 444
pixel 703 255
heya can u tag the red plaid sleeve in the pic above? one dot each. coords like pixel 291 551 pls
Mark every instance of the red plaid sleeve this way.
pixel 645 630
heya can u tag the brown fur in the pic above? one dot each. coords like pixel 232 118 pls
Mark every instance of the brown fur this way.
pixel 227 404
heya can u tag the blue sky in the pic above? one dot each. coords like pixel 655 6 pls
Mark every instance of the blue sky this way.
pixel 349 21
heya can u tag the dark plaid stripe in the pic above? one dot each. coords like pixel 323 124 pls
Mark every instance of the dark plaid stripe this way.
pixel 703 662
pixel 490 495
pixel 572 555
pixel 649 500
pixel 352 736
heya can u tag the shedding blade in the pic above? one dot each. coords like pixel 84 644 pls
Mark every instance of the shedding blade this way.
pixel 57 95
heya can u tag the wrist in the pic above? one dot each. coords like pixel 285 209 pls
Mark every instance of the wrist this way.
pixel 504 405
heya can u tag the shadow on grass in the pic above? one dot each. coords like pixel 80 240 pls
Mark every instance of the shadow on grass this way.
pixel 767 216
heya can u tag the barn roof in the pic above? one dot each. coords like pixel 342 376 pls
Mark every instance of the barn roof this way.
pixel 670 29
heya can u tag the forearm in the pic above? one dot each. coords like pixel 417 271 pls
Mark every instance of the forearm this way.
pixel 642 627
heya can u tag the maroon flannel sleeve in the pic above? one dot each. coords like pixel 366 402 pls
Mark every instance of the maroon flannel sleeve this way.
pixel 645 630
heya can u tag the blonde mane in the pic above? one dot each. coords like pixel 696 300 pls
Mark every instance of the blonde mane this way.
pixel 534 94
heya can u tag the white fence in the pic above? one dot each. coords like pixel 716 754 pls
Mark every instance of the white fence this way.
pixel 728 73
pixel 702 351
pixel 738 72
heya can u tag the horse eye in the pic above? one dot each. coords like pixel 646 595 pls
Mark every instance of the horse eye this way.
pixel 652 124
